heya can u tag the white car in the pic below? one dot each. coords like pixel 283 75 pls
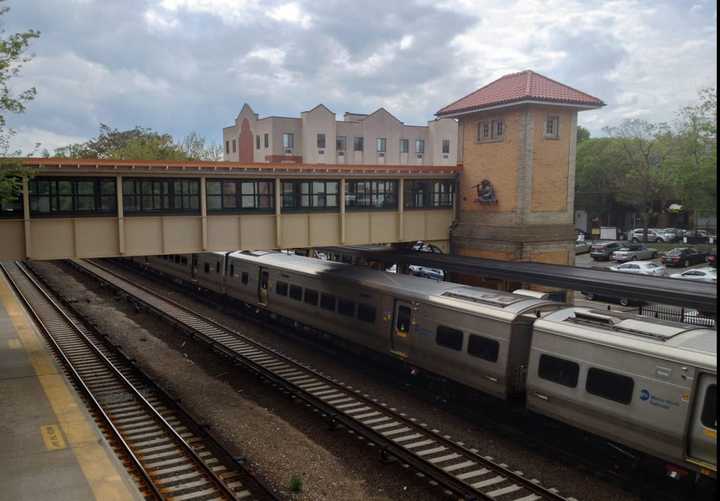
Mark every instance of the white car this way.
pixel 704 274
pixel 641 268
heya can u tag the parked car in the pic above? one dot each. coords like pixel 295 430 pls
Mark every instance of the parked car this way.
pixel 602 251
pixel 582 246
pixel 683 256
pixel 641 268
pixel 653 235
pixel 706 274
pixel 633 252
pixel 422 271
pixel 624 301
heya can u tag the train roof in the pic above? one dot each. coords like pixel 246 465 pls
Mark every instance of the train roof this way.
pixel 659 338
pixel 462 297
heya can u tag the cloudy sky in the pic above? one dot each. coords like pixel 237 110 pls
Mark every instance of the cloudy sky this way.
pixel 188 65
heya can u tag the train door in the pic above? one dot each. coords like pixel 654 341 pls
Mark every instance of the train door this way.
pixel 403 328
pixel 703 426
pixel 263 284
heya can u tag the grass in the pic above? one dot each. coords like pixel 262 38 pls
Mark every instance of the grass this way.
pixel 296 484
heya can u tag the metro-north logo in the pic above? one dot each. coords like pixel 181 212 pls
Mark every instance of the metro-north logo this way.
pixel 644 395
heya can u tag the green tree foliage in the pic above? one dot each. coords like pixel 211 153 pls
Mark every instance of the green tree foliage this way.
pixel 582 134
pixel 141 143
pixel 13 54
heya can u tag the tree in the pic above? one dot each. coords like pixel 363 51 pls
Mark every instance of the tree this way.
pixel 582 134
pixel 647 180
pixel 13 49
pixel 196 147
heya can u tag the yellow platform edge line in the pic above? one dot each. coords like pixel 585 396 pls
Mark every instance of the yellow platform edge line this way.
pixel 94 460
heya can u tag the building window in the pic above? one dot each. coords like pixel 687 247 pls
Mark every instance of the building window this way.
pixel 227 146
pixel 449 337
pixel 310 194
pixel 610 385
pixel 267 140
pixel 558 371
pixel 428 194
pixel 358 144
pixel 70 196
pixel 445 146
pixel 257 142
pixel 234 143
pixel 371 195
pixel 404 146
pixel 340 143
pixel 484 348
pixel 12 208
pixel 161 195
pixel 321 141
pixel 419 146
pixel 552 127
pixel 288 141
pixel 380 144
pixel 238 195
pixel 491 130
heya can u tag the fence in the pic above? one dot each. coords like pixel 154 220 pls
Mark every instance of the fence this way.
pixel 676 314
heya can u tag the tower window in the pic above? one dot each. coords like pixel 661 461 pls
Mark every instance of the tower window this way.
pixel 552 127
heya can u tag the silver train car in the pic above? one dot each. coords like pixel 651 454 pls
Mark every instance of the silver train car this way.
pixel 647 385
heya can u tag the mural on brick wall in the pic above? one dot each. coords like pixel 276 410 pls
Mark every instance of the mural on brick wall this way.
pixel 485 192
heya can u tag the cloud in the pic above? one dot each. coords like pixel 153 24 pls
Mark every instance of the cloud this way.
pixel 184 65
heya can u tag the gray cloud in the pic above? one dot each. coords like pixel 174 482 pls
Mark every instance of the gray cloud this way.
pixel 179 65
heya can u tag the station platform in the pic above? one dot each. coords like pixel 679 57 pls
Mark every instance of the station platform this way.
pixel 50 446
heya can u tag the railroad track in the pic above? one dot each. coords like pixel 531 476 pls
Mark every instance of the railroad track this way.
pixel 170 456
pixel 460 470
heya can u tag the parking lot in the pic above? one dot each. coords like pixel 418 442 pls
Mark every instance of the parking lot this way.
pixel 584 260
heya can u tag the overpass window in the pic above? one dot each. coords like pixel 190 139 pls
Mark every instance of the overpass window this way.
pixel 609 385
pixel 449 337
pixel 429 194
pixel 161 195
pixel 371 195
pixel 239 195
pixel 558 371
pixel 482 347
pixel 310 194
pixel 72 196
pixel 709 413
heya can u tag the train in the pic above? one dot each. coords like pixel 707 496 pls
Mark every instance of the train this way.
pixel 644 385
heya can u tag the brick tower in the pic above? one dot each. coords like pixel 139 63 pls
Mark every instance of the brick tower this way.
pixel 517 138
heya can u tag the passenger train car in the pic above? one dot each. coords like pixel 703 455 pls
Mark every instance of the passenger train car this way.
pixel 645 384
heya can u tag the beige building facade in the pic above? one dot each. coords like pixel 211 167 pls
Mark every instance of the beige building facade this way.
pixel 317 137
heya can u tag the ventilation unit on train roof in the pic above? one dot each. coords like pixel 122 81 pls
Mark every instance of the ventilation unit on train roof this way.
pixel 642 328
pixel 483 297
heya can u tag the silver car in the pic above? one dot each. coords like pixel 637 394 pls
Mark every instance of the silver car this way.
pixel 633 252
pixel 641 268
pixel 705 274
pixel 653 235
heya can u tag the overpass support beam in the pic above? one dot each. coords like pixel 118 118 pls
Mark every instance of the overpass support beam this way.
pixel 342 211
pixel 26 217
pixel 278 214
pixel 203 213
pixel 120 215
pixel 401 208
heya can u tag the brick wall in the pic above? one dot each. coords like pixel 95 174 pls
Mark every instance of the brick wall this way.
pixel 550 161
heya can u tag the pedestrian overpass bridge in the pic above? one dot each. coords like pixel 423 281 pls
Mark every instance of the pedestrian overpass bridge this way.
pixel 72 208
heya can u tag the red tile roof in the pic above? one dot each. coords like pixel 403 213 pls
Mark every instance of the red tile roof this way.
pixel 518 87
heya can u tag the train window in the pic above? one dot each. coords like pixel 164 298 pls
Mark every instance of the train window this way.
pixel 207 267
pixel 609 385
pixel 217 267
pixel 402 322
pixel 366 313
pixel 449 337
pixel 184 261
pixel 232 270
pixel 281 288
pixel 559 371
pixel 346 307
pixel 296 292
pixel 311 297
pixel 482 347
pixel 245 277
pixel 327 302
pixel 709 413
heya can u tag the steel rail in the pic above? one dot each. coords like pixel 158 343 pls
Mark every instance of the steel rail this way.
pixel 222 488
pixel 395 434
